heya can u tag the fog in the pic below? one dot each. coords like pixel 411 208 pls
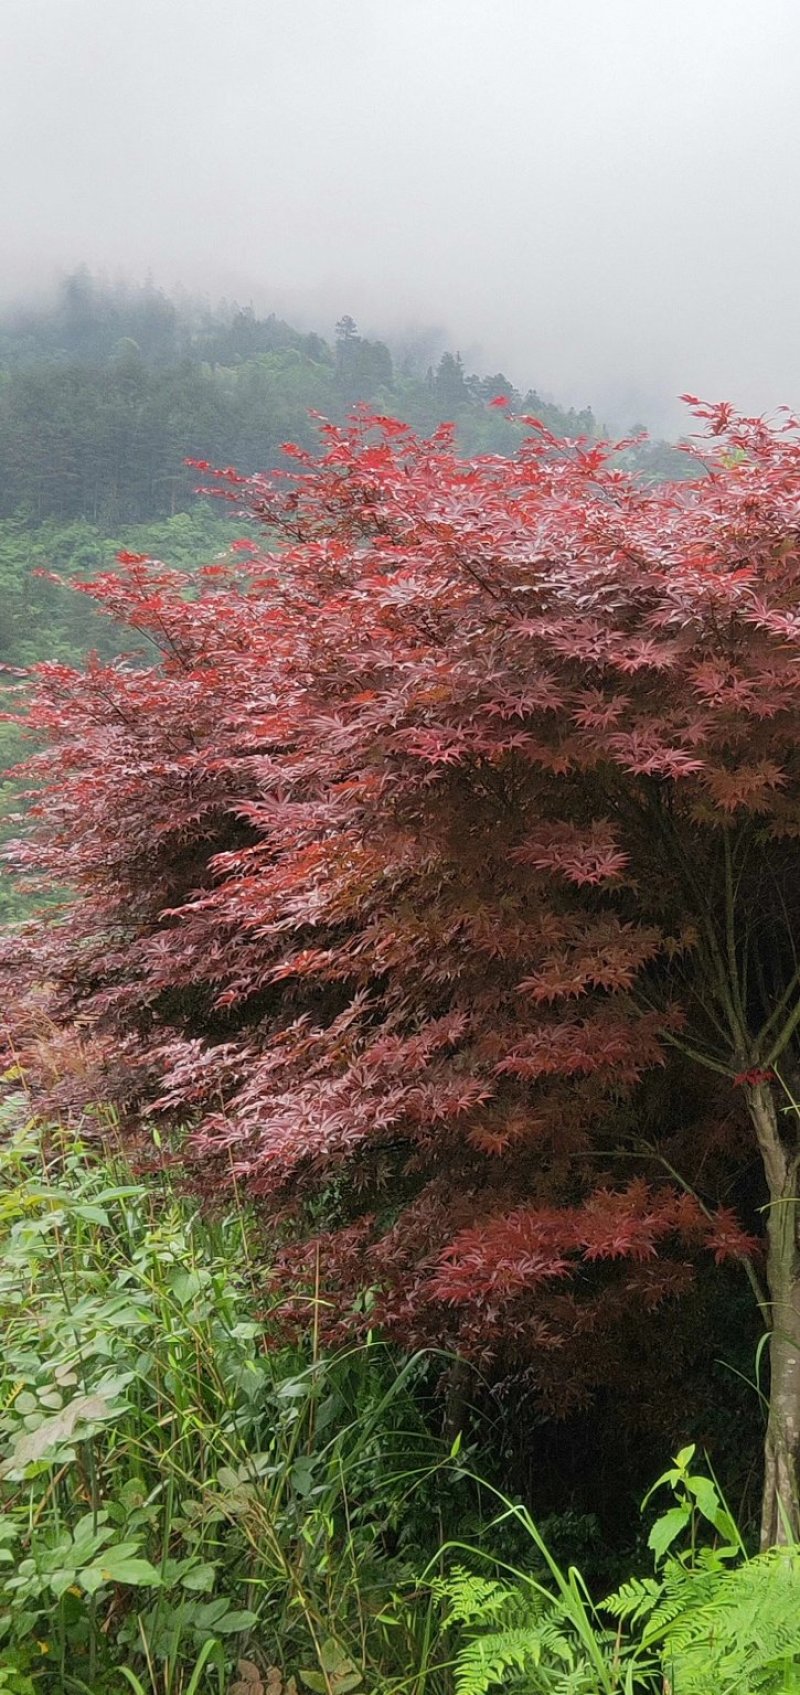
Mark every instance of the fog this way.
pixel 599 197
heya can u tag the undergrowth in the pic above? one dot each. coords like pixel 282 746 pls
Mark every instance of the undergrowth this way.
pixel 178 1492
pixel 189 1506
pixel 709 1620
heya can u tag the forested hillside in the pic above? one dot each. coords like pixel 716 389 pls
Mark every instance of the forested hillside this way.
pixel 105 393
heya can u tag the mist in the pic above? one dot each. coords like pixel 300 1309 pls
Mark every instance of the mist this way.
pixel 600 200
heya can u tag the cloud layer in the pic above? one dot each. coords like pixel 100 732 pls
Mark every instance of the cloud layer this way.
pixel 600 198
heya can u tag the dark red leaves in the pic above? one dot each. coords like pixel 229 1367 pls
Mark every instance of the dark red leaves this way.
pixel 727 1240
pixel 385 870
pixel 516 1252
pixel 583 856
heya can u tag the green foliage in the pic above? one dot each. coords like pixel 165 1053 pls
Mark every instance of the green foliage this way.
pixel 698 1505
pixel 40 619
pixel 548 1639
pixel 541 1631
pixel 710 1620
pixel 177 1491
pixel 716 1619
pixel 173 1487
pixel 718 1629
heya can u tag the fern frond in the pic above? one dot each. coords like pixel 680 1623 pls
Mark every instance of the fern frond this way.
pixel 487 1660
pixel 736 1629
pixel 633 1600
pixel 470 1599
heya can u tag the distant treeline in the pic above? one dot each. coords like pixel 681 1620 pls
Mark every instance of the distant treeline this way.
pixel 105 393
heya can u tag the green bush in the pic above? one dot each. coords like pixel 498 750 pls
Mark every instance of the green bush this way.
pixel 175 1485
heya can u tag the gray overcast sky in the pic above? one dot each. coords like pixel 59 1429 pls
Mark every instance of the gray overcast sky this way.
pixel 602 197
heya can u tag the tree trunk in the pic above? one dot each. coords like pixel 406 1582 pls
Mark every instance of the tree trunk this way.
pixel 457 1385
pixel 780 1515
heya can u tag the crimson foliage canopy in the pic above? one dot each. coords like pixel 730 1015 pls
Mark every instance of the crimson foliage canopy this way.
pixel 431 832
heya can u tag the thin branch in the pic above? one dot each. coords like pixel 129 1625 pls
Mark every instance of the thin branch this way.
pixel 730 935
pixel 789 927
pixel 782 1041
pixel 716 969
pixel 707 1060
pixel 777 1013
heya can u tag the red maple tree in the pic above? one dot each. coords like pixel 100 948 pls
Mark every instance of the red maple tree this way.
pixel 436 827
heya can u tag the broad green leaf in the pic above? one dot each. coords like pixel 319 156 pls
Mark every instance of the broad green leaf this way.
pixel 136 1572
pixel 667 1528
pixel 199 1578
pixel 89 1213
pixel 302 1475
pixel 236 1620
pixel 706 1497
pixel 91 1578
pixel 52 1432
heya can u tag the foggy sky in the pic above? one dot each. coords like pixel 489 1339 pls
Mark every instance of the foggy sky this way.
pixel 600 197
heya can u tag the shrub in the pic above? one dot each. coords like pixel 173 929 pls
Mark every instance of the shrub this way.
pixel 446 821
pixel 174 1490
